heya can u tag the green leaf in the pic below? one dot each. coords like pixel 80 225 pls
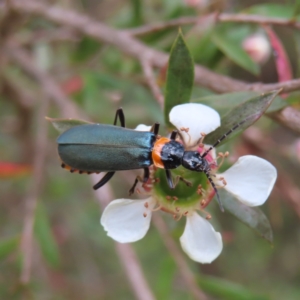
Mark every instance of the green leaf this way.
pixel 296 9
pixel 271 10
pixel 233 50
pixel 85 49
pixel 165 277
pixel 180 77
pixel 249 111
pixel 226 289
pixel 61 125
pixel 199 41
pixel 7 246
pixel 253 217
pixel 45 238
pixel 224 102
pixel 277 104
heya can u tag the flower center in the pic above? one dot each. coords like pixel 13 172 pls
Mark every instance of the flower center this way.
pixel 192 191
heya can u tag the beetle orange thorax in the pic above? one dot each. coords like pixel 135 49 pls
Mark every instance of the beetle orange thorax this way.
pixel 167 154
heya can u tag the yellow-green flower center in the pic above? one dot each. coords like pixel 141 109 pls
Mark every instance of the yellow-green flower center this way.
pixel 184 198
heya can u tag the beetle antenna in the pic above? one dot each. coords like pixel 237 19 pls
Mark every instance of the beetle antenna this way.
pixel 215 189
pixel 223 137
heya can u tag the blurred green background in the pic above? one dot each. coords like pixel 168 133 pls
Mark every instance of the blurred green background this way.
pixel 72 258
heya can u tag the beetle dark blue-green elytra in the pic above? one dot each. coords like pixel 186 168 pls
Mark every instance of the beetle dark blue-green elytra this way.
pixel 94 148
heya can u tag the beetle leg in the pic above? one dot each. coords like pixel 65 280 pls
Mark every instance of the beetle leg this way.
pixel 187 182
pixel 103 180
pixel 155 128
pixel 173 135
pixel 139 179
pixel 120 114
pixel 169 179
pixel 172 184
pixel 146 174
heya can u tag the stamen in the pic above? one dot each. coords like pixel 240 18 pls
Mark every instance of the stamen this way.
pixel 186 130
pixel 146 204
pixel 174 198
pixel 223 180
pixel 200 190
pixel 208 217
pixel 144 215
pixel 203 135
pixel 168 197
pixel 203 202
pixel 222 156
pixel 178 218
pixel 157 208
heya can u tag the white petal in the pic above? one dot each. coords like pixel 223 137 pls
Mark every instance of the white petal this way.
pixel 124 221
pixel 250 180
pixel 197 117
pixel 142 127
pixel 200 241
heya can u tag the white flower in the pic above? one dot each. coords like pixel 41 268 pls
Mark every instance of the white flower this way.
pixel 250 180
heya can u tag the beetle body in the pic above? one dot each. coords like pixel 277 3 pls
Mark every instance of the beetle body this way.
pixel 105 148
pixel 94 148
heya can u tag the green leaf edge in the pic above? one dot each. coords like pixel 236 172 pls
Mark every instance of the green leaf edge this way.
pixel 235 116
pixel 171 101
pixel 62 125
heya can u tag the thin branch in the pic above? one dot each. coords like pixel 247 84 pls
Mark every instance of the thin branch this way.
pixel 19 56
pixel 24 97
pixel 126 252
pixel 289 117
pixel 151 80
pixel 26 63
pixel 223 17
pixel 257 19
pixel 136 276
pixel 131 46
pixel 49 36
pixel 31 199
pixel 178 257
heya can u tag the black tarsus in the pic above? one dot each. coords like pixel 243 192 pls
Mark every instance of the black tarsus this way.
pixel 155 128
pixel 138 178
pixel 103 180
pixel 223 137
pixel 174 135
pixel 169 179
pixel 120 114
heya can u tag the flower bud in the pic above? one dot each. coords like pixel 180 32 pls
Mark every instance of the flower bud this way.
pixel 258 47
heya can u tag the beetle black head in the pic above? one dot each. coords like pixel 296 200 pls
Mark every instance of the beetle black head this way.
pixel 192 160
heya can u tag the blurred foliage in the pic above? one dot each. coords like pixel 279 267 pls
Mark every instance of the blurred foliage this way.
pixel 73 258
